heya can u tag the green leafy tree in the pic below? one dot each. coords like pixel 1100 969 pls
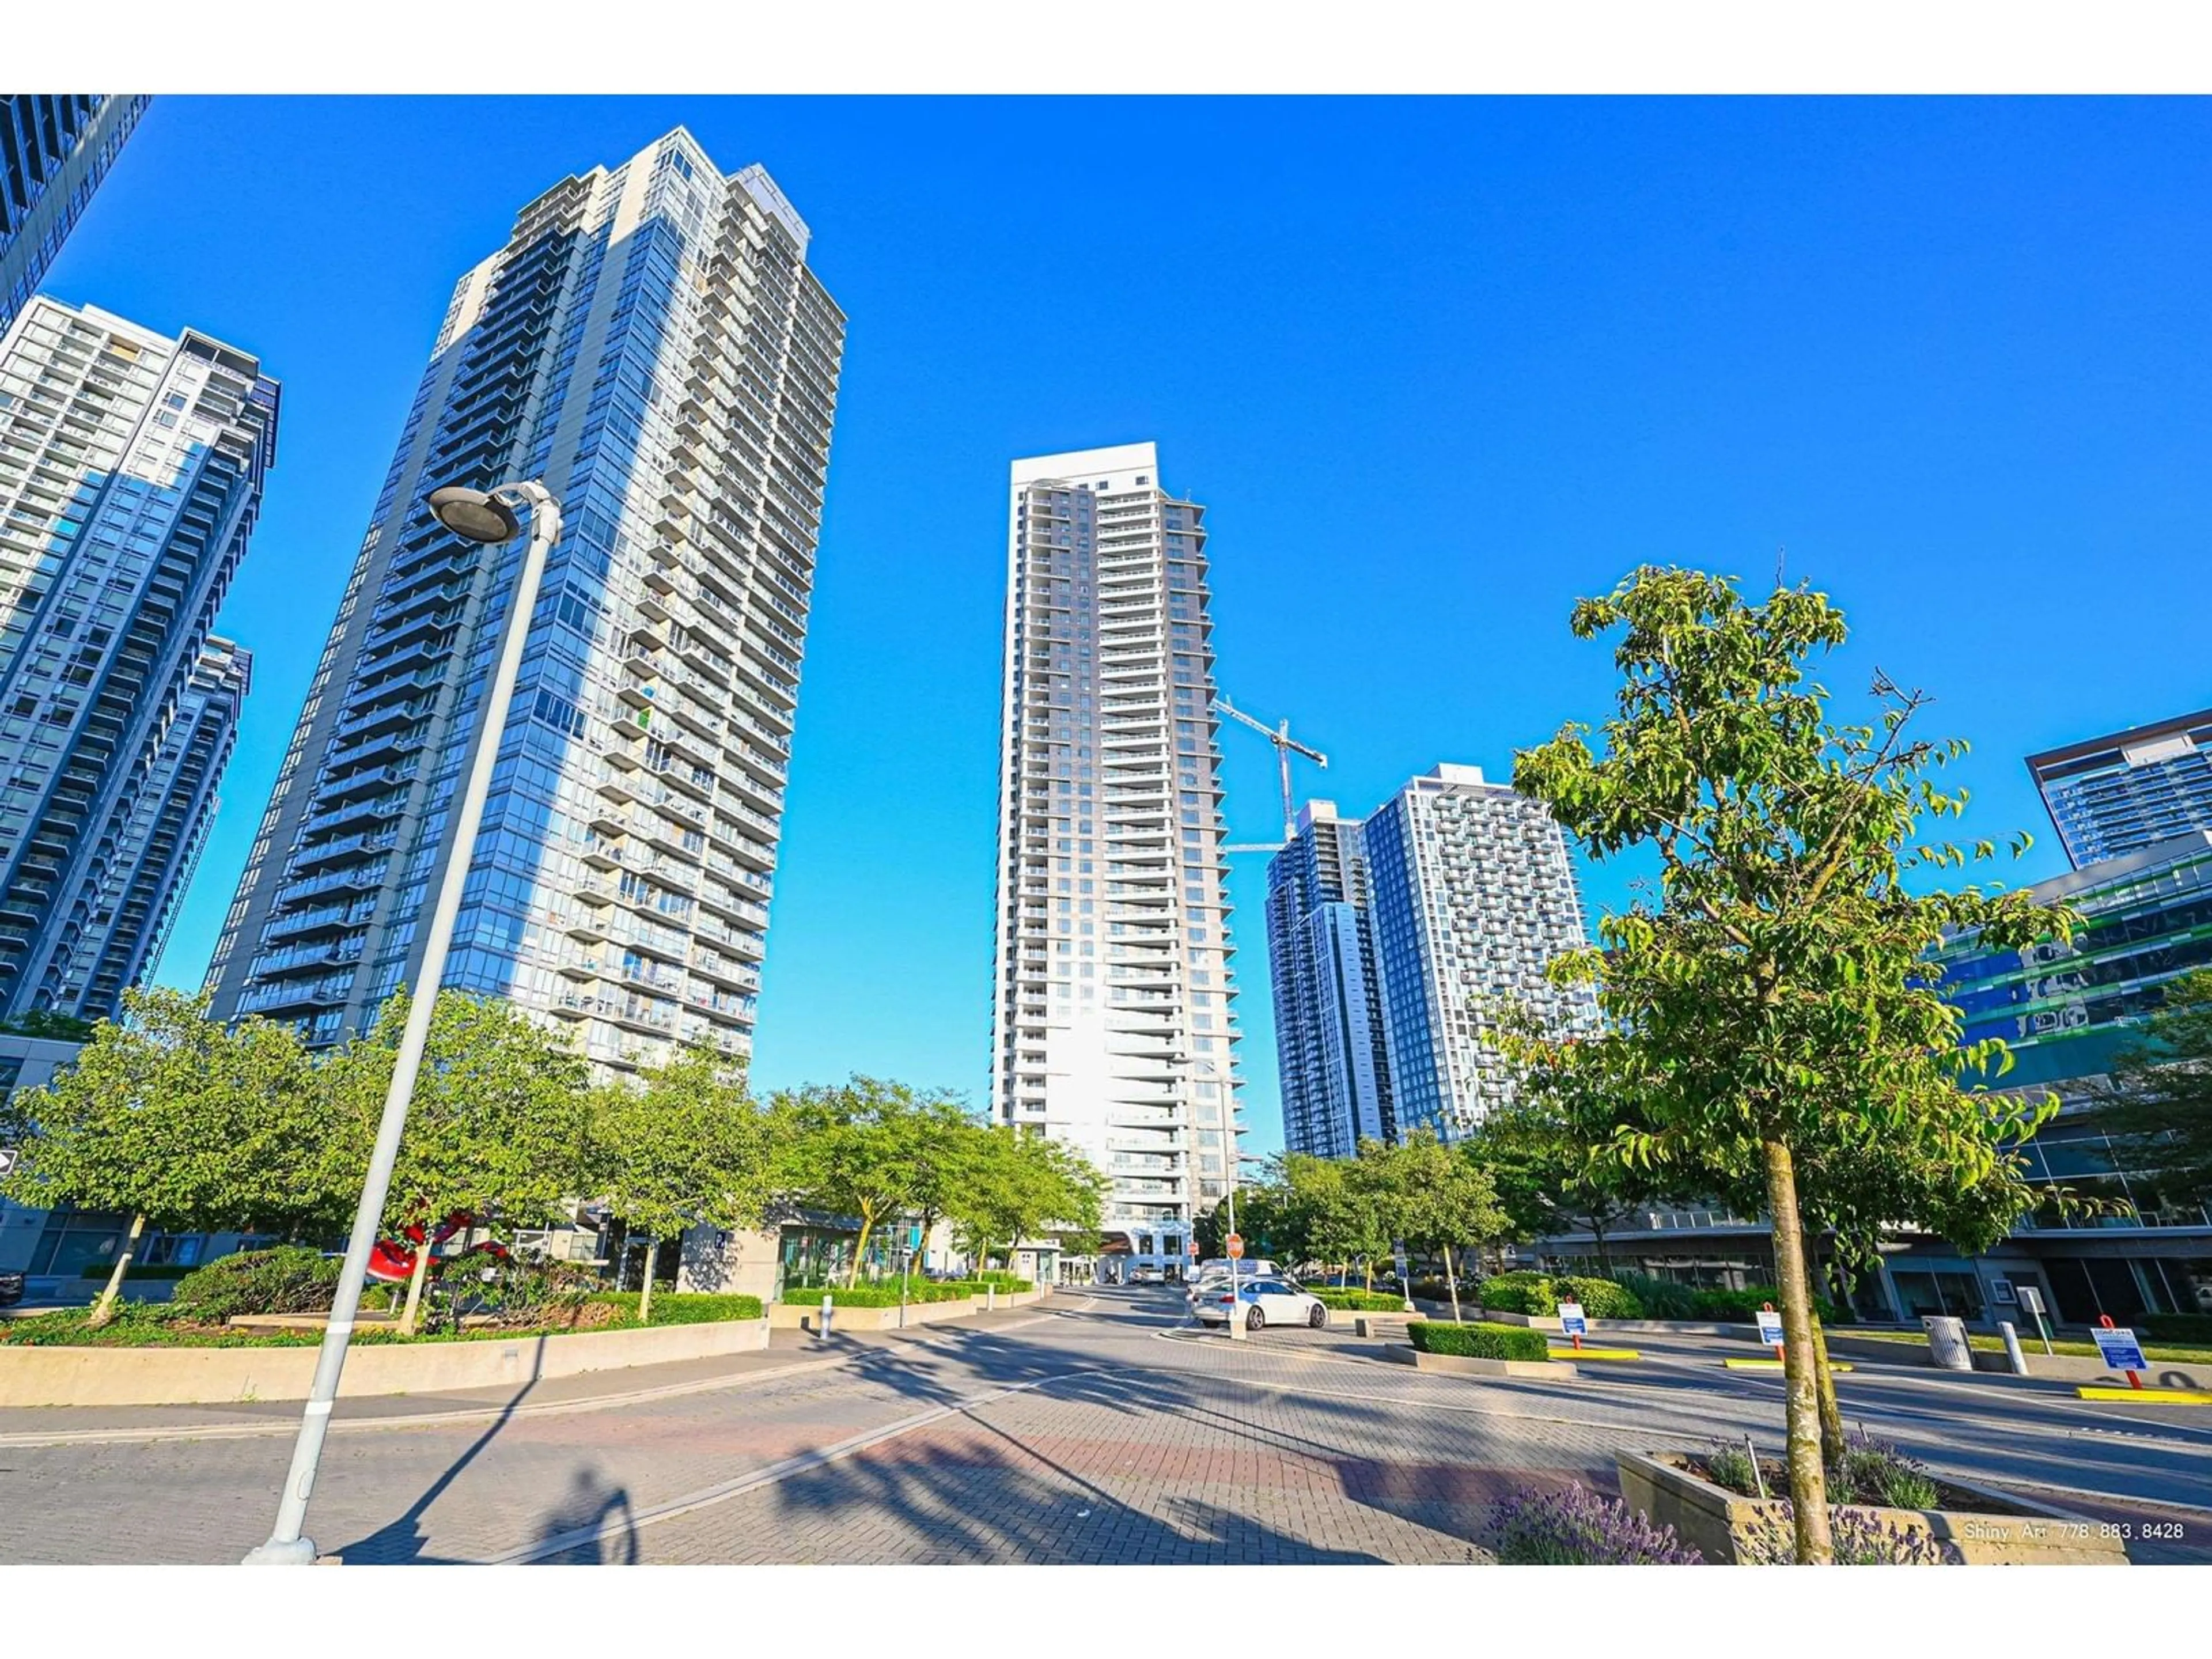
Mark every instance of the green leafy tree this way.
pixel 1342 1218
pixel 171 1119
pixel 946 1148
pixel 498 1126
pixel 851 1153
pixel 2156 1101
pixel 1021 1185
pixel 1551 1178
pixel 1435 1197
pixel 681 1145
pixel 1777 996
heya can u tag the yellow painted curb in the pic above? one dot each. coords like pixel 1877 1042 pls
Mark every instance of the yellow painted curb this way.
pixel 1596 1353
pixel 2147 1396
pixel 1770 1365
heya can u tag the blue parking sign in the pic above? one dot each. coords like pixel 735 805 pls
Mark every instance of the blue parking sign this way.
pixel 1572 1322
pixel 2119 1349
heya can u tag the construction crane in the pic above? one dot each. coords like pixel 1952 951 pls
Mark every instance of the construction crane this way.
pixel 1284 743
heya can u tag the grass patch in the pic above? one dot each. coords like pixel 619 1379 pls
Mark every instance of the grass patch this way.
pixel 1479 1341
pixel 155 1325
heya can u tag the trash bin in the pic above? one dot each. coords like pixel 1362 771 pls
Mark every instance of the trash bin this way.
pixel 1946 1343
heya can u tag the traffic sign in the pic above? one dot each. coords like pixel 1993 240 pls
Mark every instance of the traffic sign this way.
pixel 1770 1327
pixel 2119 1348
pixel 1194 1247
pixel 1236 1246
pixel 1572 1322
pixel 8 1157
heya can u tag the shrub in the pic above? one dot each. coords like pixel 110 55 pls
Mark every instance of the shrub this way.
pixel 679 1307
pixel 1355 1301
pixel 1601 1298
pixel 1002 1278
pixel 1004 1283
pixel 1741 1306
pixel 290 1279
pixel 1875 1471
pixel 1479 1341
pixel 1861 1537
pixel 1731 1466
pixel 136 1274
pixel 1661 1299
pixel 2177 1328
pixel 1517 1292
pixel 1578 1529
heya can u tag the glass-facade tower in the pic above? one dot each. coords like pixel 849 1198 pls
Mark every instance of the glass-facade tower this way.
pixel 1332 1056
pixel 1112 1012
pixel 131 467
pixel 651 343
pixel 2133 789
pixel 55 148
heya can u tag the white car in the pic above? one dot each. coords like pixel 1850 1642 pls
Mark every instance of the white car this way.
pixel 1261 1301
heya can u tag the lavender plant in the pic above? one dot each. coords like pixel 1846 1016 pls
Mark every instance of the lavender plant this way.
pixel 1875 1471
pixel 1862 1538
pixel 1576 1528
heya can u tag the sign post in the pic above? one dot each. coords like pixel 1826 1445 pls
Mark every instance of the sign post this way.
pixel 1770 1329
pixel 2032 1299
pixel 1572 1322
pixel 2119 1349
pixel 1235 1245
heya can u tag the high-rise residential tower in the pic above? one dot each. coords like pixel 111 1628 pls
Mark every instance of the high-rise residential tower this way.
pixel 1471 896
pixel 650 343
pixel 2133 789
pixel 55 148
pixel 131 467
pixel 1112 1011
pixel 1330 1043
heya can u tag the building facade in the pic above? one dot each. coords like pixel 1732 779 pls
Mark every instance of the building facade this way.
pixel 1471 896
pixel 131 467
pixel 650 343
pixel 1332 1050
pixel 1113 1021
pixel 55 148
pixel 2117 794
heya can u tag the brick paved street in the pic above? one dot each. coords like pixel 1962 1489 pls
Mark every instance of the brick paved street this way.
pixel 1100 1430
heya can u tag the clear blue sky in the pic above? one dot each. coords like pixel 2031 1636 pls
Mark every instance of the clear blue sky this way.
pixel 1437 368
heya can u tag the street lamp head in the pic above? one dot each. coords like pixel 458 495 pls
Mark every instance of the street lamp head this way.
pixel 475 515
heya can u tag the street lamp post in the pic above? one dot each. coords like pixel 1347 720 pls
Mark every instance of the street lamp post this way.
pixel 487 517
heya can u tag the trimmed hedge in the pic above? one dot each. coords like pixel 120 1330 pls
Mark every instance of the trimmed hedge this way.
pixel 1538 1294
pixel 1355 1301
pixel 878 1296
pixel 1741 1306
pixel 1479 1341
pixel 2177 1328
pixel 680 1307
pixel 1004 1283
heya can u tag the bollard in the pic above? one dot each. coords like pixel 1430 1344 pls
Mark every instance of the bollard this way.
pixel 829 1310
pixel 2012 1347
pixel 990 1298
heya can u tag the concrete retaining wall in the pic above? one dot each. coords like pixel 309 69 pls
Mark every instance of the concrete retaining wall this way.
pixel 1467 1364
pixel 2069 1368
pixel 186 1376
pixel 807 1315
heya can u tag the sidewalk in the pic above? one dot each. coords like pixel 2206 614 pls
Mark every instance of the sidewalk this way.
pixel 788 1353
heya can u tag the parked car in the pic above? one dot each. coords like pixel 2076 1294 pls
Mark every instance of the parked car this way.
pixel 1264 1302
pixel 1248 1267
pixel 1147 1276
pixel 11 1289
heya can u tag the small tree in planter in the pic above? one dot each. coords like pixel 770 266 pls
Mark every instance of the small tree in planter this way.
pixel 682 1145
pixel 174 1120
pixel 1439 1196
pixel 1778 995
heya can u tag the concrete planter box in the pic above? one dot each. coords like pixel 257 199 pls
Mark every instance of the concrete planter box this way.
pixel 193 1377
pixel 1468 1365
pixel 2011 1532
pixel 807 1315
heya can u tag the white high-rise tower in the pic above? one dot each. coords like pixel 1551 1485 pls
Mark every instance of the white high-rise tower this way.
pixel 1113 997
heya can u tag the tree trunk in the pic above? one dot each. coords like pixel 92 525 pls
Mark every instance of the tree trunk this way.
pixel 1824 1376
pixel 859 1250
pixel 645 1293
pixel 103 1310
pixel 1604 1259
pixel 1370 1265
pixel 1808 1486
pixel 414 1285
pixel 1451 1283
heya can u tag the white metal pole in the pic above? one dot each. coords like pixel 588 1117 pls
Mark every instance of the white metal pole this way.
pixel 286 1546
pixel 1235 1308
